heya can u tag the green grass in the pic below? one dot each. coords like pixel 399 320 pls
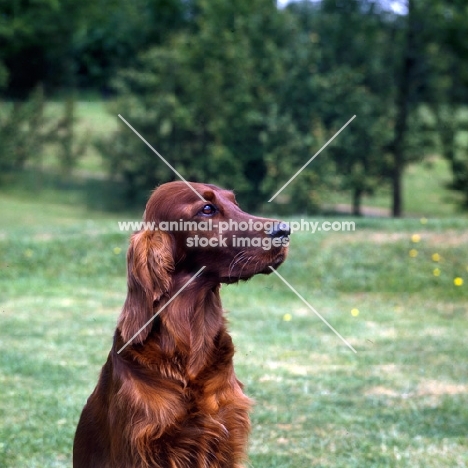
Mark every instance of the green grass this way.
pixel 401 401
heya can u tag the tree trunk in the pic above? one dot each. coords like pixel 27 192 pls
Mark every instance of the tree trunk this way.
pixel 403 103
pixel 357 197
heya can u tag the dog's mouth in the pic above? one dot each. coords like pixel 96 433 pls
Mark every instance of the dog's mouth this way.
pixel 277 261
pixel 263 268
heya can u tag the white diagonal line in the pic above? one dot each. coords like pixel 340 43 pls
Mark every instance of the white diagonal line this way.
pixel 160 310
pixel 312 309
pixel 162 159
pixel 312 158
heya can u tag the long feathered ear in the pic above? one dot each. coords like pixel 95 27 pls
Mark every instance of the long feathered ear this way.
pixel 150 264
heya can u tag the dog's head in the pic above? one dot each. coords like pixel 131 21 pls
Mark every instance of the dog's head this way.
pixel 190 227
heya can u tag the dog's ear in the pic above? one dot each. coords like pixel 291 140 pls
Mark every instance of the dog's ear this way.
pixel 150 264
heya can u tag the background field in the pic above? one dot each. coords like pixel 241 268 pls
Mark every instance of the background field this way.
pixel 401 401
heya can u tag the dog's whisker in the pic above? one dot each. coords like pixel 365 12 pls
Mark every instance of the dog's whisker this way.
pixel 244 265
pixel 235 261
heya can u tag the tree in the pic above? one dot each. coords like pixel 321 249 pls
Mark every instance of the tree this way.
pixel 36 41
pixel 210 100
pixel 448 87
pixel 404 101
pixel 339 78
pixel 23 132
pixel 118 30
pixel 65 43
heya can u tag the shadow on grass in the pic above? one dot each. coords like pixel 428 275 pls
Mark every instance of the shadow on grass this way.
pixel 95 191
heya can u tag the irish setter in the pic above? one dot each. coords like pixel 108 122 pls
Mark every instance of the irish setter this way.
pixel 170 398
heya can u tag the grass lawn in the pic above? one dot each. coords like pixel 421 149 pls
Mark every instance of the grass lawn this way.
pixel 400 401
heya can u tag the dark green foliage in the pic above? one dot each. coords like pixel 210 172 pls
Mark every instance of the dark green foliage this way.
pixel 246 95
pixel 211 101
pixel 22 132
pixel 243 93
pixel 65 43
pixel 448 87
pixel 70 147
pixel 26 131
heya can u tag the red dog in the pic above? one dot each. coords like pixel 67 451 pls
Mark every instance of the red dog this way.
pixel 170 398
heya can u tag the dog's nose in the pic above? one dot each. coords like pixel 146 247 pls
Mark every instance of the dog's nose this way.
pixel 280 230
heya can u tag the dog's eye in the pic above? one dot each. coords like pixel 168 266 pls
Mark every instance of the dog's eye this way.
pixel 208 210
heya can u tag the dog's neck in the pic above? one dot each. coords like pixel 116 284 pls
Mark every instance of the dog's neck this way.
pixel 191 324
